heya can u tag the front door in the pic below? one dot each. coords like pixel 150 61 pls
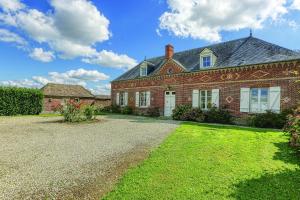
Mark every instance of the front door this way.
pixel 170 97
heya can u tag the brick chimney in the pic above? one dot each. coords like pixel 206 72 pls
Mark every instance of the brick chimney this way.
pixel 169 51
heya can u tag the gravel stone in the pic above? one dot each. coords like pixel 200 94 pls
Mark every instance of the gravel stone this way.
pixel 41 157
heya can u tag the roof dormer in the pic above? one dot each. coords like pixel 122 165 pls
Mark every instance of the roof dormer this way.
pixel 144 69
pixel 207 59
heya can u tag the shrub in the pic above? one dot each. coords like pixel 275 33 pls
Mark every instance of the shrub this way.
pixel 89 112
pixel 20 101
pixel 153 112
pixel 193 114
pixel 218 115
pixel 269 119
pixel 102 110
pixel 187 113
pixel 71 111
pixel 115 109
pixel 126 110
pixel 179 111
pixel 293 127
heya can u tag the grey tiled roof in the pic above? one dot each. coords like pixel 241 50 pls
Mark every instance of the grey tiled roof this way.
pixel 240 52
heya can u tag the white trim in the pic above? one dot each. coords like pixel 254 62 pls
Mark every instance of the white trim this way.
pixel 143 65
pixel 215 97
pixel 195 98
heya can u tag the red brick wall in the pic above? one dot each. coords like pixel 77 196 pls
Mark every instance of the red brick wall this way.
pixel 228 80
pixel 49 105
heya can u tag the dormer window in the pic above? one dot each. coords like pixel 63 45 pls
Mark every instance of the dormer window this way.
pixel 143 69
pixel 207 59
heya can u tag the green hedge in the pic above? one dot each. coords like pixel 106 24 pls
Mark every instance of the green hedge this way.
pixel 20 101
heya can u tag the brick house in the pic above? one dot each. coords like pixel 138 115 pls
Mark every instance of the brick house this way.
pixel 55 94
pixel 246 75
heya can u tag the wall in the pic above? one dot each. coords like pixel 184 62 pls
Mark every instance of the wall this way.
pixel 228 80
pixel 50 105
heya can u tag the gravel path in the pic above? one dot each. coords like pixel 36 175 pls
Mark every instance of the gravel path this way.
pixel 44 158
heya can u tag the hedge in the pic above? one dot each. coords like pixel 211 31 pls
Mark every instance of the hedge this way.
pixel 20 101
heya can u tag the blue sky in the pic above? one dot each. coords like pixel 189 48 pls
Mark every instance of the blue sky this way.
pixel 92 42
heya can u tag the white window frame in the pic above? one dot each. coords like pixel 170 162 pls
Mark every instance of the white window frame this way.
pixel 143 69
pixel 210 55
pixel 206 99
pixel 260 110
pixel 122 101
pixel 143 102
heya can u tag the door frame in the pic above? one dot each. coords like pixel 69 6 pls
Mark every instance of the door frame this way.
pixel 171 94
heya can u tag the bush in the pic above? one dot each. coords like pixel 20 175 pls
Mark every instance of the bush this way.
pixel 180 110
pixel 126 110
pixel 153 112
pixel 115 109
pixel 293 127
pixel 269 119
pixel 71 111
pixel 89 112
pixel 20 101
pixel 218 115
pixel 102 110
pixel 187 113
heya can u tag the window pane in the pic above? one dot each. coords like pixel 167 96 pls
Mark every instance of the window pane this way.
pixel 206 61
pixel 264 94
pixel 202 99
pixel 209 99
pixel 143 99
pixel 254 100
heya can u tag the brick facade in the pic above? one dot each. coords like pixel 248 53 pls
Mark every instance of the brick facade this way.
pixel 228 80
pixel 51 102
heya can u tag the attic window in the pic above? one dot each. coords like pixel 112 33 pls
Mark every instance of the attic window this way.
pixel 207 59
pixel 143 70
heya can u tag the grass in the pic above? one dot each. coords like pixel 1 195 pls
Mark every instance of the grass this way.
pixel 215 162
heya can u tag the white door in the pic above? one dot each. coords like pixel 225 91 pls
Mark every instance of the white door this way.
pixel 170 97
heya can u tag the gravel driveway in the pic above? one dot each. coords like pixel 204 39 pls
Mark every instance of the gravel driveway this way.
pixel 43 158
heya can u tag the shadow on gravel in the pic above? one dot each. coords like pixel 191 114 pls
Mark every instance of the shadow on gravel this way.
pixel 141 119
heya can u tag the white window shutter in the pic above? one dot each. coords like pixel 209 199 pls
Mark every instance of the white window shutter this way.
pixel 245 100
pixel 215 95
pixel 126 98
pixel 148 98
pixel 118 99
pixel 137 99
pixel 274 99
pixel 195 99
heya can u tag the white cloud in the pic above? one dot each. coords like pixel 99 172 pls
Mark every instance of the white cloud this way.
pixel 41 55
pixel 11 5
pixel 75 77
pixel 203 19
pixel 296 5
pixel 21 83
pixel 8 36
pixel 111 59
pixel 71 29
pixel 101 89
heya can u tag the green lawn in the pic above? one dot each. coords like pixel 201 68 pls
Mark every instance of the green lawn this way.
pixel 215 162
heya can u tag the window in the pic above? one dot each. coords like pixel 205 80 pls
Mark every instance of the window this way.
pixel 77 100
pixel 205 99
pixel 50 100
pixel 206 61
pixel 143 70
pixel 143 99
pixel 122 98
pixel 259 99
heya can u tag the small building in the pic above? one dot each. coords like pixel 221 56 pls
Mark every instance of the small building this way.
pixel 102 100
pixel 55 94
pixel 246 75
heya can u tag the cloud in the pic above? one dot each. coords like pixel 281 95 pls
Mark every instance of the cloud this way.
pixel 71 29
pixel 8 36
pixel 296 5
pixel 202 19
pixel 111 59
pixel 41 55
pixel 11 5
pixel 101 89
pixel 75 77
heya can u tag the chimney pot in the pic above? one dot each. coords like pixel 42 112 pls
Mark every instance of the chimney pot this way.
pixel 169 51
